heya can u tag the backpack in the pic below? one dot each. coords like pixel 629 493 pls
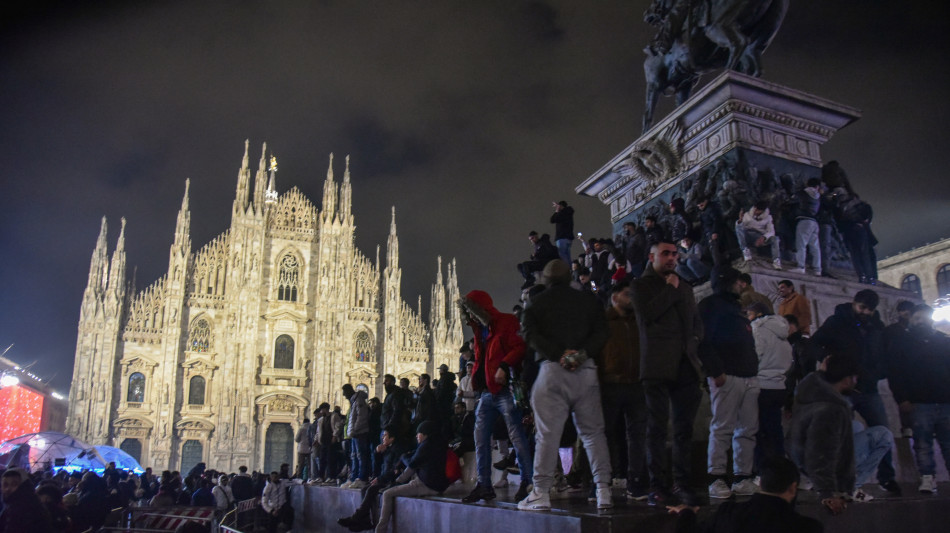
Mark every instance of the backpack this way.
pixel 453 469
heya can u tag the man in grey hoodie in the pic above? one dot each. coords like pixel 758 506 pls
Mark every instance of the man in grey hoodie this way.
pixel 775 358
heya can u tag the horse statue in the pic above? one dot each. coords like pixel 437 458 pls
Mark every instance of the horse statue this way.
pixel 697 36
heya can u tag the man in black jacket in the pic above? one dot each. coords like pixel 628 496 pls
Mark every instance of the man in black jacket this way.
pixel 563 220
pixel 856 331
pixel 772 509
pixel 919 379
pixel 670 331
pixel 424 474
pixel 397 413
pixel 731 364
pixel 361 519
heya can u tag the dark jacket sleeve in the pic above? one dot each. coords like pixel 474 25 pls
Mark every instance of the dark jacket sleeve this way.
pixel 531 327
pixel 599 331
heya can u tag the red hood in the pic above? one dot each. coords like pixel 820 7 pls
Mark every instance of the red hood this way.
pixel 483 300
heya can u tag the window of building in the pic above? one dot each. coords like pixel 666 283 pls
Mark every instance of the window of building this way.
pixel 199 339
pixel 284 352
pixel 943 281
pixel 363 346
pixel 196 391
pixel 136 388
pixel 191 452
pixel 911 283
pixel 288 278
pixel 132 447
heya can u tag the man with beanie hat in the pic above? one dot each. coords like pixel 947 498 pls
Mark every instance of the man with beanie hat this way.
pixel 498 350
pixel 424 474
pixel 566 327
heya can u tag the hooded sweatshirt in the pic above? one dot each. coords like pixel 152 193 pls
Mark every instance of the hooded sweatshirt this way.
pixel 821 440
pixel 497 343
pixel 773 349
pixel 357 420
pixel 809 201
pixel 761 224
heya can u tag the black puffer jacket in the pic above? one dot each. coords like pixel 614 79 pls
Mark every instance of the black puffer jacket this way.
pixel 820 440
pixel 728 346
pixel 845 333
pixel 921 372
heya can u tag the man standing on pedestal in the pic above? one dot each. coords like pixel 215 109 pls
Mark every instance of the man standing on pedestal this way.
pixel 566 327
pixel 856 332
pixel 670 331
pixel 794 303
pixel 563 220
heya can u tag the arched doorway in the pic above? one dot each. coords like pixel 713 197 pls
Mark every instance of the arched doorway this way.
pixel 278 446
pixel 191 452
pixel 132 447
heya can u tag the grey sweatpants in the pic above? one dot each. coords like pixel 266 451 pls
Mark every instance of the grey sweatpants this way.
pixel 735 417
pixel 415 487
pixel 557 394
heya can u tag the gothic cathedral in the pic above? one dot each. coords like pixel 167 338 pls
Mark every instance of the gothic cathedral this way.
pixel 221 358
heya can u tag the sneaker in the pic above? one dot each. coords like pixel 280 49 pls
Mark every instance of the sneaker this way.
pixel 505 462
pixel 592 493
pixel 659 497
pixel 501 483
pixel 346 521
pixel 535 501
pixel 777 264
pixel 719 489
pixel 859 496
pixel 357 484
pixel 479 493
pixel 685 495
pixel 800 271
pixel 928 485
pixel 604 499
pixel 346 485
pixel 637 494
pixel 746 487
pixel 747 254
pixel 892 486
pixel 907 433
pixel 523 490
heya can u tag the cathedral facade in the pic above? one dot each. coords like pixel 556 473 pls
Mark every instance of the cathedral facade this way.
pixel 221 358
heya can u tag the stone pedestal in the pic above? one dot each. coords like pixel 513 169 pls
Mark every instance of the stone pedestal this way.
pixel 739 138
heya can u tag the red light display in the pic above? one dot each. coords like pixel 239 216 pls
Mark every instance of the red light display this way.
pixel 21 411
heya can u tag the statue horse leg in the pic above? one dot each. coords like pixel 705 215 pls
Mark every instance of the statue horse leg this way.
pixel 652 96
pixel 728 36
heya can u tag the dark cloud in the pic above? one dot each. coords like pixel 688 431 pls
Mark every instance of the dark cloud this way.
pixel 469 117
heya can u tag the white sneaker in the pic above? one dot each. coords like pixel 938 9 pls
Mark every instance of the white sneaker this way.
pixel 777 264
pixel 719 489
pixel 799 270
pixel 604 499
pixel 346 485
pixel 746 487
pixel 357 484
pixel 805 483
pixel 928 485
pixel 535 501
pixel 859 496
pixel 747 254
pixel 501 483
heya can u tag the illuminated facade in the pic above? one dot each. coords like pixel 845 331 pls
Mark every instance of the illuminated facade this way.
pixel 221 358
pixel 27 404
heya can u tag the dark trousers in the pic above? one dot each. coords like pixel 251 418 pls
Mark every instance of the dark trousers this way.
pixel 683 395
pixel 624 403
pixel 770 440
pixel 329 460
pixel 871 408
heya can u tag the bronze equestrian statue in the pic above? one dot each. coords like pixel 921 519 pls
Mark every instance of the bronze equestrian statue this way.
pixel 697 36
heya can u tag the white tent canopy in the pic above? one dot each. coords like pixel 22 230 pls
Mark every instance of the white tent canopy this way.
pixel 37 451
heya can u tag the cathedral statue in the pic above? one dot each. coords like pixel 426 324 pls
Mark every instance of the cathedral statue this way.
pixel 697 36
pixel 247 327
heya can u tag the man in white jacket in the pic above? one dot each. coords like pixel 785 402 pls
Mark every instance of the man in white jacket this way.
pixel 756 227
pixel 775 358
pixel 273 499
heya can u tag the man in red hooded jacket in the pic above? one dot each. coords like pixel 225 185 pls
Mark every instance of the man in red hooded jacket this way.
pixel 498 348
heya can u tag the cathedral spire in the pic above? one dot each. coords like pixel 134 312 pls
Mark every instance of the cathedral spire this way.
pixel 346 195
pixel 183 226
pixel 244 178
pixel 392 245
pixel 329 194
pixel 98 267
pixel 117 270
pixel 270 195
pixel 259 180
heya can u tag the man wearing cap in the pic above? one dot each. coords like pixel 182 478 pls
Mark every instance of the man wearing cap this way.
pixel 566 327
pixel 498 350
pixel 424 474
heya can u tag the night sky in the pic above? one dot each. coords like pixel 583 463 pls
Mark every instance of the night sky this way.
pixel 469 117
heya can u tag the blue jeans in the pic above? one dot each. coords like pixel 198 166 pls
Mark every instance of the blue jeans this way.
pixel 360 466
pixel 486 413
pixel 564 249
pixel 870 446
pixel 931 419
pixel 871 408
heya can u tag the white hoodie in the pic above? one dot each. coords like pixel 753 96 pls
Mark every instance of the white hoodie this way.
pixel 773 349
pixel 761 224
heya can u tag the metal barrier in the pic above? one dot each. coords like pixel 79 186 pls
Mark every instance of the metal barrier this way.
pixel 246 516
pixel 162 519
